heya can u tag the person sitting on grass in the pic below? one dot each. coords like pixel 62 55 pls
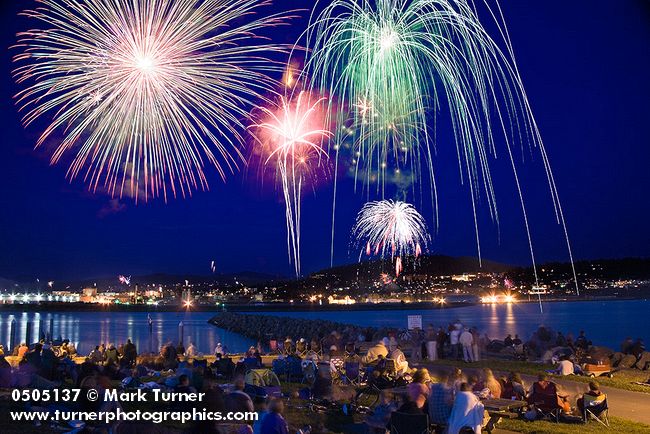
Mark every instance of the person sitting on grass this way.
pixel 593 398
pixel 274 422
pixel 456 379
pixel 261 407
pixel 191 351
pixel 441 399
pixel 544 390
pixel 518 385
pixel 374 352
pixel 466 412
pixel 581 341
pixel 238 400
pixel 419 386
pixel 379 418
pixel 401 364
pixel 411 406
pixel 478 387
pixel 110 356
pixel 491 383
pixel 565 367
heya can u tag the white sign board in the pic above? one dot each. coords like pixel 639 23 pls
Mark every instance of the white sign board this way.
pixel 415 321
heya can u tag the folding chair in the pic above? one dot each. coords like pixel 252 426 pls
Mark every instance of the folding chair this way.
pixel 279 366
pixel 251 363
pixel 337 362
pixel 406 423
pixel 301 349
pixel 598 411
pixel 317 348
pixel 546 402
pixel 294 369
pixel 390 368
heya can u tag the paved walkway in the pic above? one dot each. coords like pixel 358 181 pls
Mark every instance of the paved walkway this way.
pixel 625 404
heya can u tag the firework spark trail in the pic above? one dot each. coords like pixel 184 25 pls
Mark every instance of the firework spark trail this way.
pixel 390 229
pixel 292 135
pixel 144 92
pixel 392 62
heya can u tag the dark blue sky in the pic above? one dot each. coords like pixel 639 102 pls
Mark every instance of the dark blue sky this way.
pixel 586 67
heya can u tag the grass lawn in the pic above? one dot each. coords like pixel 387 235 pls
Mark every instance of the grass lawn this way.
pixel 542 427
pixel 622 379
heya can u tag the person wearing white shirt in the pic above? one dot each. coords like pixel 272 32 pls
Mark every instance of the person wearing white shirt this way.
pixel 466 340
pixel 565 367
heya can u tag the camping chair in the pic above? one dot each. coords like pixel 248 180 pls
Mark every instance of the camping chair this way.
pixel 350 349
pixel 596 410
pixel 313 355
pixel 352 373
pixel 251 363
pixel 294 368
pixel 546 401
pixel 328 371
pixel 279 367
pixel 308 371
pixel 337 362
pixel 405 423
pixel 390 369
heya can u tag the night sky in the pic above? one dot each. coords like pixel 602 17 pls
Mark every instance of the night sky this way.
pixel 586 68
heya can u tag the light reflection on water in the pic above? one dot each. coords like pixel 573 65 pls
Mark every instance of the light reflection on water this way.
pixel 606 323
pixel 87 329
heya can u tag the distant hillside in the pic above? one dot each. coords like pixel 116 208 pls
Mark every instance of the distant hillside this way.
pixel 432 265
pixel 366 272
pixel 249 278
pixel 610 269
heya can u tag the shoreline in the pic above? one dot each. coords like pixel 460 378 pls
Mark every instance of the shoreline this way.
pixel 278 307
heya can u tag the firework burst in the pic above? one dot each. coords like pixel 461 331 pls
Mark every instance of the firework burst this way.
pixel 392 64
pixel 144 93
pixel 390 229
pixel 291 136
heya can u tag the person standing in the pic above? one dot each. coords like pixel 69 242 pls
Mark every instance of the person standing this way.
pixel 466 340
pixel 432 346
pixel 476 337
pixel 454 335
pixel 440 341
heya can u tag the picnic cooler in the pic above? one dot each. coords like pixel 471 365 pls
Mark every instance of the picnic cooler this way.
pixel 597 369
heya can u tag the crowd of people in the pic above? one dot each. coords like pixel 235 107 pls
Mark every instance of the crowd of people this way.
pixel 454 401
pixel 46 365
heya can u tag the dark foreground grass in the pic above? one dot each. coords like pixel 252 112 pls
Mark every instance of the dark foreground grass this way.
pixel 543 427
